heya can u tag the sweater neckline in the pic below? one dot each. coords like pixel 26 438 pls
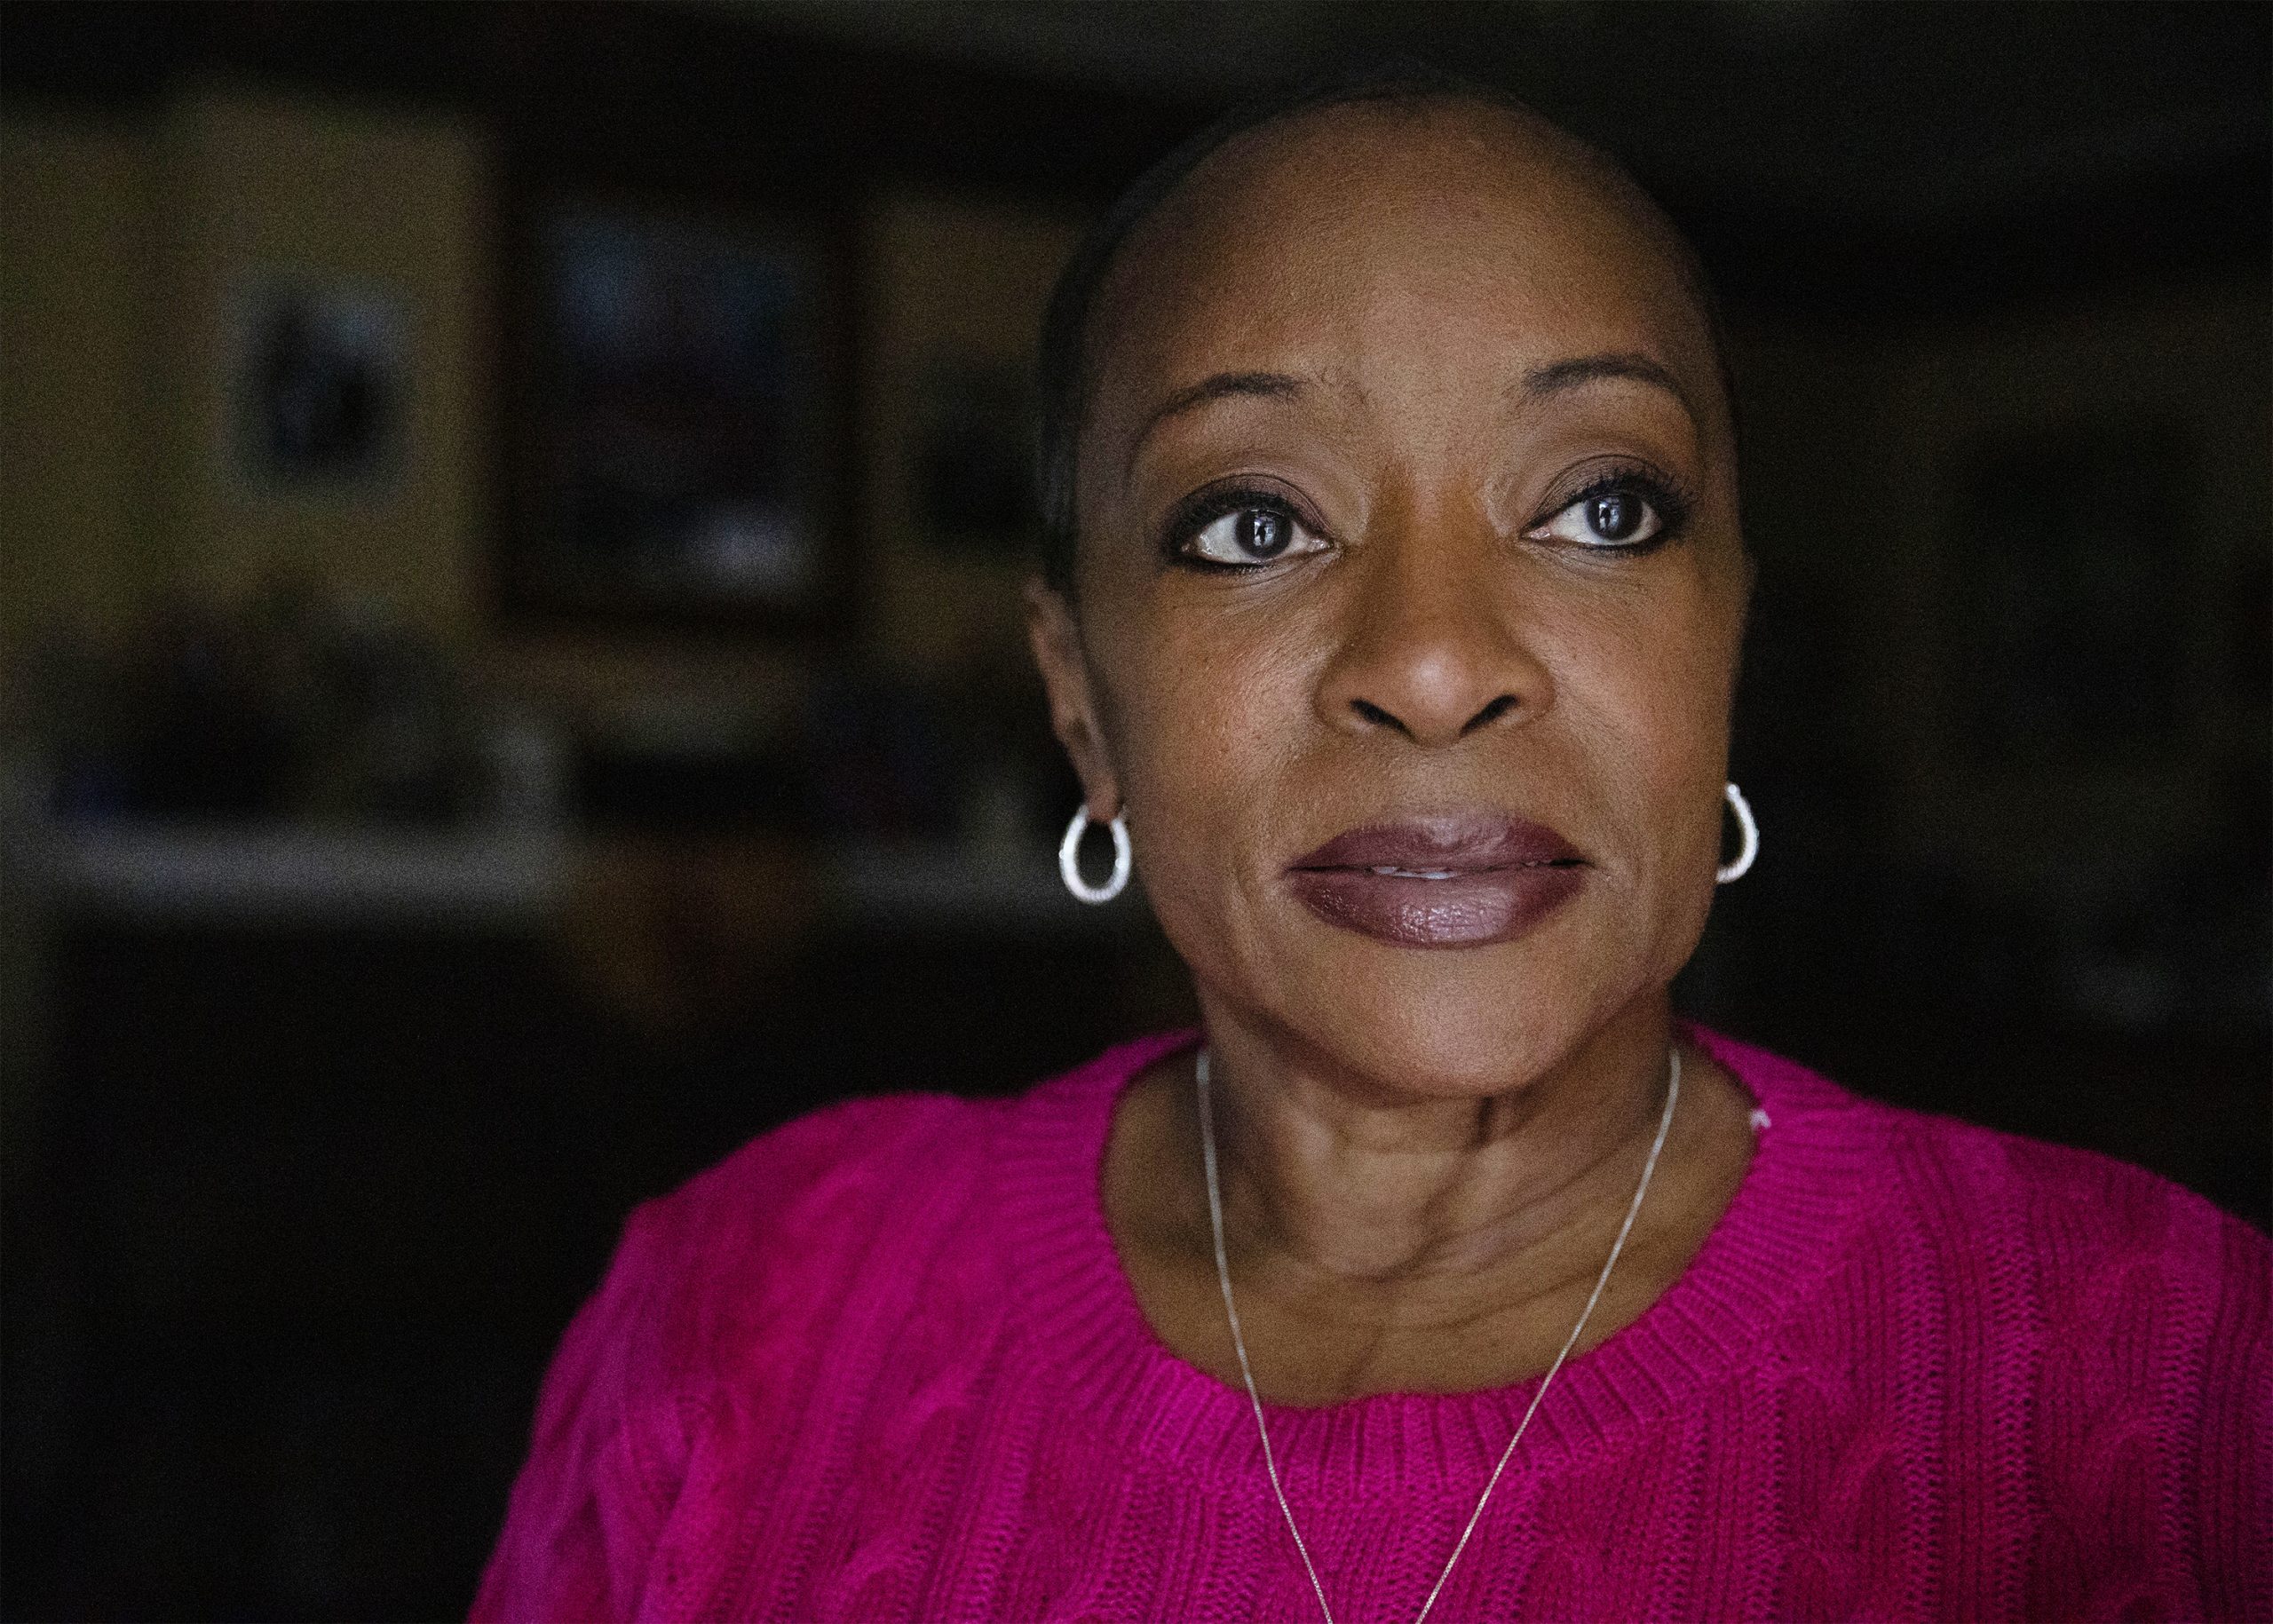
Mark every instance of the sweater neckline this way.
pixel 1089 1334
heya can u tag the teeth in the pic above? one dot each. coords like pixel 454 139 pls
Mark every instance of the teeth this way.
pixel 1415 874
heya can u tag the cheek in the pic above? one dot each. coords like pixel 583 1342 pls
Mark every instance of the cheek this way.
pixel 1651 693
pixel 1201 709
pixel 1643 693
pixel 1209 723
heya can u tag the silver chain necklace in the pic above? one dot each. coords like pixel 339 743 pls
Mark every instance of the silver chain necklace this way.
pixel 1246 1374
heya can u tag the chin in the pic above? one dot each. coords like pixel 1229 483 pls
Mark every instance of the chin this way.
pixel 1438 1028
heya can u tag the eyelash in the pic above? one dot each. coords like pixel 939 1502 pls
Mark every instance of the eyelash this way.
pixel 1672 504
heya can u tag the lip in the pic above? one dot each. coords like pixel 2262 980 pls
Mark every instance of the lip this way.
pixel 1458 880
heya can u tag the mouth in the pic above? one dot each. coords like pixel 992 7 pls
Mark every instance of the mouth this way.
pixel 1460 880
pixel 1444 874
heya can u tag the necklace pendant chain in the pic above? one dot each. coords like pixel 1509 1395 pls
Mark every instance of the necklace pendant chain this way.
pixel 1247 1373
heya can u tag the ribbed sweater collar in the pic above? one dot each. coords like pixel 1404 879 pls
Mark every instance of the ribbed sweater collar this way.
pixel 1081 1321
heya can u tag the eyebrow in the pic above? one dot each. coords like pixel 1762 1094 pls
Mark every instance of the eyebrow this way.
pixel 1216 386
pixel 1558 377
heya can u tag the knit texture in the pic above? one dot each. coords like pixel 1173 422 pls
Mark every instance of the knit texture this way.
pixel 883 1364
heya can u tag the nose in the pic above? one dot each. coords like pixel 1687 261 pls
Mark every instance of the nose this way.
pixel 1432 650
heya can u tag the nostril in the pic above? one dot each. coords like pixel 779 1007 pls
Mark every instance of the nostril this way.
pixel 1491 713
pixel 1375 714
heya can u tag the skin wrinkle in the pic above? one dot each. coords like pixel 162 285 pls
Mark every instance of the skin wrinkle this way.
pixel 1425 1152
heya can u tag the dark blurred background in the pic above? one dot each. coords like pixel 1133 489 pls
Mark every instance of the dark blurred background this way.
pixel 510 519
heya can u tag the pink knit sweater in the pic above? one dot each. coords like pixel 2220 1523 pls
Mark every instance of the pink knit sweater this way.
pixel 882 1364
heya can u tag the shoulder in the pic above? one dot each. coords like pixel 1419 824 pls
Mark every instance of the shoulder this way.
pixel 2133 1321
pixel 713 1289
pixel 2079 1231
pixel 829 1156
pixel 768 1283
pixel 774 1244
pixel 2075 1215
pixel 838 1165
pixel 797 1207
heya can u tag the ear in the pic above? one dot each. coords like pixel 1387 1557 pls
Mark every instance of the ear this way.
pixel 1055 639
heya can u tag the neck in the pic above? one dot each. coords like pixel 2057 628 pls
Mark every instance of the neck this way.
pixel 1351 1180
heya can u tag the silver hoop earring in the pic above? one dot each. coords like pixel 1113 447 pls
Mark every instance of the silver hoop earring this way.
pixel 1069 857
pixel 1748 848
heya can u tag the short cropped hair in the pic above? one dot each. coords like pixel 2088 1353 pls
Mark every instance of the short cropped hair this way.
pixel 1064 371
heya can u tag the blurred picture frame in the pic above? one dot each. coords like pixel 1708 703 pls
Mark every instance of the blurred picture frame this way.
pixel 676 411
pixel 318 376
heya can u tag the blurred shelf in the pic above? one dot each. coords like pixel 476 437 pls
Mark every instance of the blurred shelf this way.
pixel 292 875
pixel 948 885
pixel 298 876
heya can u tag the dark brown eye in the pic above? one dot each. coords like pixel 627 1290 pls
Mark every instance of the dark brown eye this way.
pixel 1260 534
pixel 1249 535
pixel 1611 517
pixel 1616 516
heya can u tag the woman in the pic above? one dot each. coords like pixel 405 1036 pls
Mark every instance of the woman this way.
pixel 1392 622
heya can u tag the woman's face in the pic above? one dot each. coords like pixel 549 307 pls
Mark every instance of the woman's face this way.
pixel 1409 593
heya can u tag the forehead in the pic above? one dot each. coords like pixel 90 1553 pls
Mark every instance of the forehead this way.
pixel 1443 238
